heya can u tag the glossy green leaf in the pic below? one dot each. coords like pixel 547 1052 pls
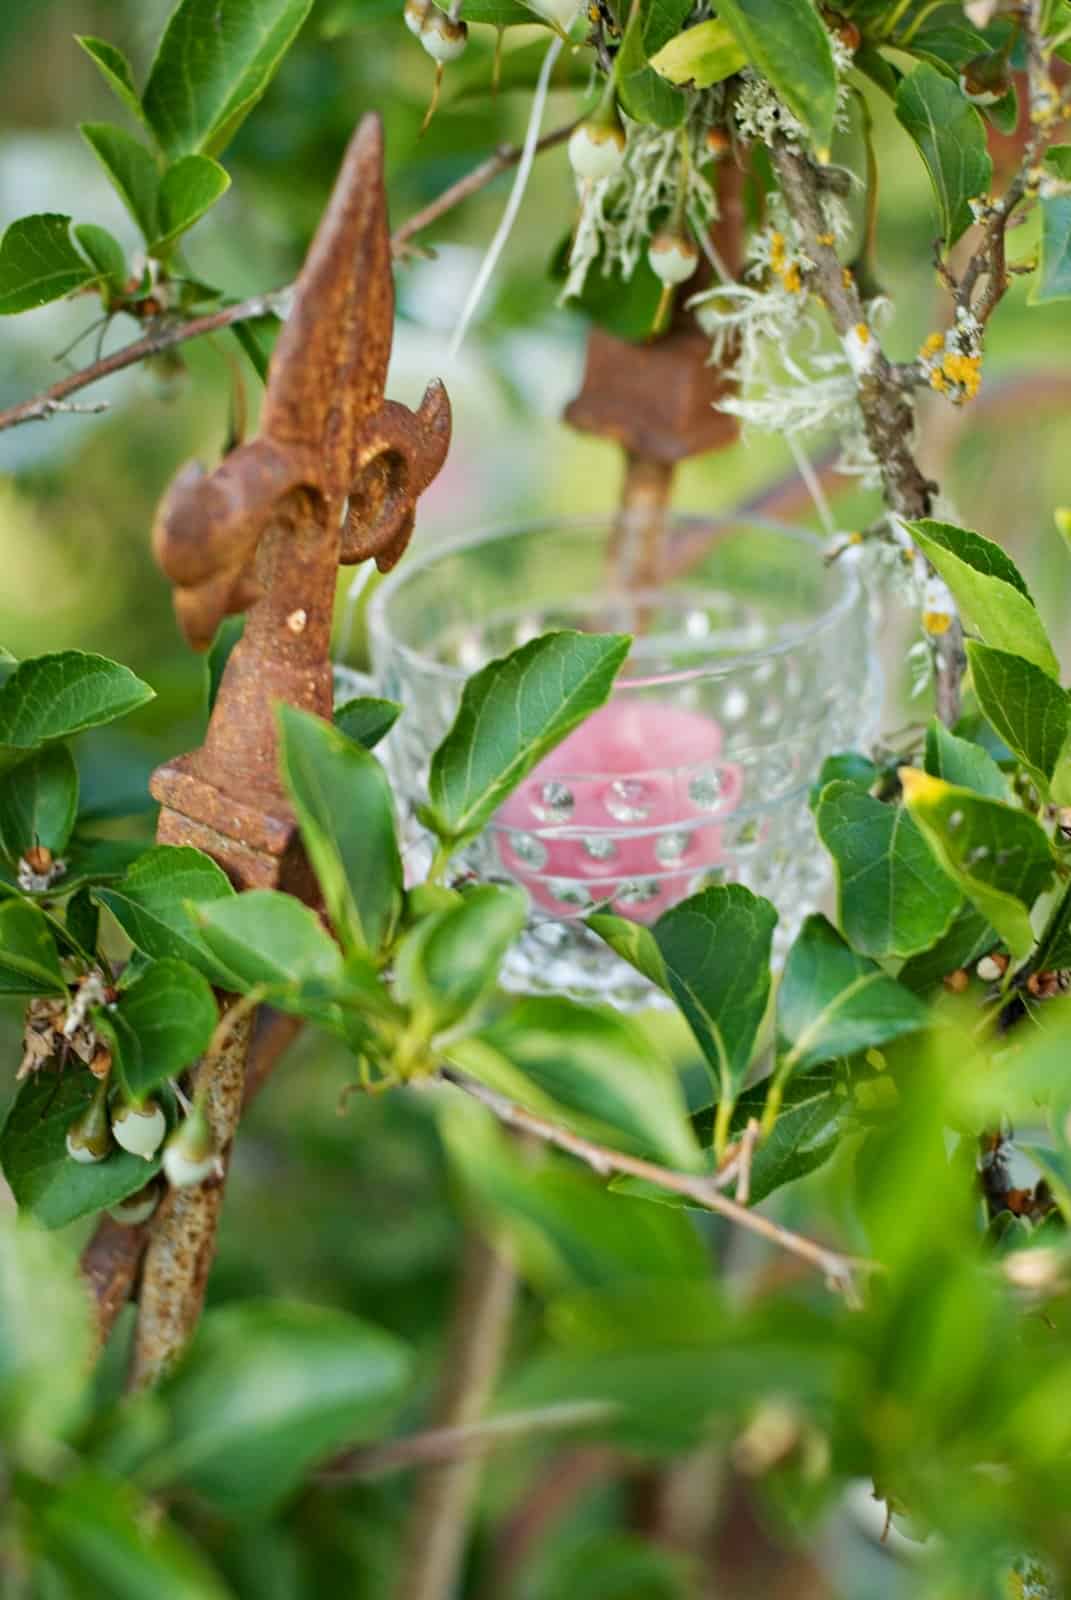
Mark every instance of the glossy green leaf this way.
pixel 268 1389
pixel 215 60
pixel 625 307
pixel 131 169
pixel 345 811
pixel 105 252
pixel 833 1002
pixel 451 960
pixel 1027 709
pixel 566 1228
pixel 969 937
pixel 152 904
pixel 595 1071
pixel 38 263
pixel 172 1012
pixel 498 13
pixel 46 1183
pixel 187 190
pixel 892 897
pixel 804 1136
pixel 366 720
pixel 785 41
pixel 1054 945
pixel 700 56
pixel 963 762
pixel 846 766
pixel 110 1542
pixel 715 947
pixel 54 696
pixel 267 938
pixel 641 92
pixel 1000 857
pixel 29 961
pixel 1053 280
pixel 114 68
pixel 988 590
pixel 944 37
pixel 39 802
pixel 45 1341
pixel 512 713
pixel 951 138
pixel 634 943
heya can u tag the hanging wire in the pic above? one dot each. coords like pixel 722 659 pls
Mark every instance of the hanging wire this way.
pixel 513 205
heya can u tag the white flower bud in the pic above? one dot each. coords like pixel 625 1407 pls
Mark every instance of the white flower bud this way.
pixel 89 1138
pixel 139 1129
pixel 442 39
pixel 190 1155
pixel 672 257
pixel 416 14
pixel 136 1208
pixel 989 970
pixel 596 150
pixel 563 12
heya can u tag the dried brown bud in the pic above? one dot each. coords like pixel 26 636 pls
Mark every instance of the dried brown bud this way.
pixel 956 982
pixel 38 858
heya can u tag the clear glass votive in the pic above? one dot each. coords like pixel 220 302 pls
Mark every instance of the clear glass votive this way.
pixel 752 661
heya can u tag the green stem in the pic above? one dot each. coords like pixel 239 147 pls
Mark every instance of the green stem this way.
pixel 772 1108
pixel 722 1118
pixel 892 21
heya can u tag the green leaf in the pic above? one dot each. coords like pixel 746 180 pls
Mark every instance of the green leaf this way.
pixel 566 1227
pixel 968 939
pixel 215 60
pixel 367 720
pixel 498 13
pixel 105 252
pixel 131 168
pixel 1054 946
pixel 640 91
pixel 29 960
pixel 892 898
pixel 988 590
pixel 268 1389
pixel 39 803
pixel 151 904
pixel 54 696
pixel 804 1136
pixel 1026 708
pixel 625 307
pixel 345 811
pixel 265 937
pixel 451 960
pixel 45 1342
pixel 700 56
pixel 593 1070
pixel 512 713
pixel 963 762
pixel 46 1183
pixel 846 766
pixel 787 43
pixel 1053 281
pixel 634 943
pixel 833 1002
pixel 228 633
pixel 715 947
pixel 109 1541
pixel 951 139
pixel 114 68
pixel 173 1014
pixel 1000 857
pixel 38 263
pixel 187 190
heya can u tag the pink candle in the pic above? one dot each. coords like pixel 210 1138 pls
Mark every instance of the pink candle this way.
pixel 625 811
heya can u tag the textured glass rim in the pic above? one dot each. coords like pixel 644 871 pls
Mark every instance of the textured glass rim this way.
pixel 851 593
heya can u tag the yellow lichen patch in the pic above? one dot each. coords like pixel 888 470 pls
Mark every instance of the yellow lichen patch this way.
pixel 936 622
pixel 965 371
pixel 862 333
pixel 791 278
pixel 938 381
pixel 932 343
pixel 846 277
pixel 826 239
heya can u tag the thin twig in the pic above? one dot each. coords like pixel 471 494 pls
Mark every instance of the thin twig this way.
pixel 505 157
pixel 838 1269
pixel 438 1522
pixel 167 334
pixel 438 1446
pixel 162 337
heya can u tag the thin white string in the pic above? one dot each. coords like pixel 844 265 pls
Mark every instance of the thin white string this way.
pixel 814 487
pixel 513 205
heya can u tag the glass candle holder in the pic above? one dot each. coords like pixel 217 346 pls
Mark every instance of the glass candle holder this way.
pixel 752 660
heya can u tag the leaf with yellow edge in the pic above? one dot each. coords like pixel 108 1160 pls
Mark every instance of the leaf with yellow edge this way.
pixel 1000 857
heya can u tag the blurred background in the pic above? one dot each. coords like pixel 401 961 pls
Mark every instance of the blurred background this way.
pixel 358 1210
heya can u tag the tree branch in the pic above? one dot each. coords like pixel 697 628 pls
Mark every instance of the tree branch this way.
pixel 439 1446
pixel 839 1270
pixel 438 1522
pixel 884 397
pixel 166 335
